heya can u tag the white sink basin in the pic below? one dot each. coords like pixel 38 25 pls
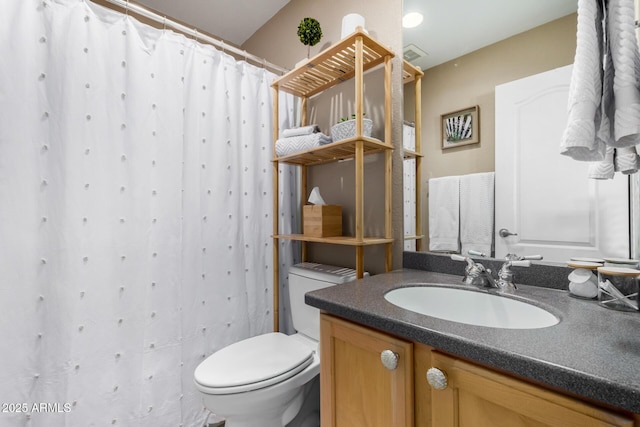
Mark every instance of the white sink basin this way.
pixel 471 307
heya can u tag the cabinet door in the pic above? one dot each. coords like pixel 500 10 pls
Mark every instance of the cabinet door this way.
pixel 478 397
pixel 357 390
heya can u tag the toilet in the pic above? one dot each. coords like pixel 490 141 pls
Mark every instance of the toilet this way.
pixel 271 380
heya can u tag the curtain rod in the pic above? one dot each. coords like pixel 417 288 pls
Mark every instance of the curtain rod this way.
pixel 167 22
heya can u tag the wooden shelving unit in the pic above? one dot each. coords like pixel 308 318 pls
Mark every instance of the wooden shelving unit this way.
pixel 335 151
pixel 339 240
pixel 414 74
pixel 347 59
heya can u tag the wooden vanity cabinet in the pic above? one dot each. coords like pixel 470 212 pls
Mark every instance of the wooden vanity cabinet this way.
pixel 358 391
pixel 356 388
pixel 479 397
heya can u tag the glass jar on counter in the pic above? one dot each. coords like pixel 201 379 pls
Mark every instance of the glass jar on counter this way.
pixel 618 288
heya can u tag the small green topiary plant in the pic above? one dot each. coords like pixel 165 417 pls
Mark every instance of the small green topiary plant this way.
pixel 353 117
pixel 309 32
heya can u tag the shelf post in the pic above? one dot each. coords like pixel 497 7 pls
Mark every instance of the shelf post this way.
pixel 418 149
pixel 388 163
pixel 359 156
pixel 276 244
pixel 303 193
pixel 359 150
pixel 303 180
pixel 359 262
pixel 303 111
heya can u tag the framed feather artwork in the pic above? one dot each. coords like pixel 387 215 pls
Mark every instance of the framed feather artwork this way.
pixel 460 127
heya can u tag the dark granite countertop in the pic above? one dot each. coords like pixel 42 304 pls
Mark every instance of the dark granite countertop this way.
pixel 593 352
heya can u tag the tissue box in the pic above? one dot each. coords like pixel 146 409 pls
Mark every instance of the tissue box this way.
pixel 322 220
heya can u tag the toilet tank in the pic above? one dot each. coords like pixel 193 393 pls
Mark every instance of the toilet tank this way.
pixel 306 277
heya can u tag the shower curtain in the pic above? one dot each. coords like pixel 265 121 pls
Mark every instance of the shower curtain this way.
pixel 135 215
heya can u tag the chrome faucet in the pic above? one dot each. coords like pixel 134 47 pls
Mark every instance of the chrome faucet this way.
pixel 476 274
pixel 505 275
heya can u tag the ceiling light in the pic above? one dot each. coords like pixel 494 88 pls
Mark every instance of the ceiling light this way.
pixel 411 19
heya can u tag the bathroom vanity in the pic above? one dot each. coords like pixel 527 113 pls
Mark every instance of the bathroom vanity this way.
pixel 583 371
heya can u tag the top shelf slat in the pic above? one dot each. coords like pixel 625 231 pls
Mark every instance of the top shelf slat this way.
pixel 332 66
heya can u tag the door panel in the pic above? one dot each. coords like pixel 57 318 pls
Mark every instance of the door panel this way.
pixel 544 197
pixel 356 389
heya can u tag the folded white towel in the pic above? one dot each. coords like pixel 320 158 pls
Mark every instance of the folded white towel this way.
pixel 296 144
pixel 299 131
pixel 477 212
pixel 444 213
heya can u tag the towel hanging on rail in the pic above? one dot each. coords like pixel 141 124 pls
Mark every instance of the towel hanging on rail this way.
pixel 477 212
pixel 444 214
pixel 604 97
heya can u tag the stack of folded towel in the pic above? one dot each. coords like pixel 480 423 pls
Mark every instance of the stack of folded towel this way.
pixel 300 139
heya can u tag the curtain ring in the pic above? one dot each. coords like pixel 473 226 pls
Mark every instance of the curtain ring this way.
pixel 126 8
pixel 196 31
pixel 164 24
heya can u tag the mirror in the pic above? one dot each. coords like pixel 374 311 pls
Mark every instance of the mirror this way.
pixel 466 50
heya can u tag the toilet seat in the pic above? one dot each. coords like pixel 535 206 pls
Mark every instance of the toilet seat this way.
pixel 253 363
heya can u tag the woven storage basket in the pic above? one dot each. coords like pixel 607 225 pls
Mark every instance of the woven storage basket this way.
pixel 347 129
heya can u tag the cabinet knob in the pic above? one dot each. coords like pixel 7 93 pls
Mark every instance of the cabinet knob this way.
pixel 436 379
pixel 389 359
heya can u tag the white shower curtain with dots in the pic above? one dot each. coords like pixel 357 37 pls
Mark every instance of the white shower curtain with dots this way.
pixel 135 215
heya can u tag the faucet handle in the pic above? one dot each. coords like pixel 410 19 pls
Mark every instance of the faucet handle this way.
pixel 505 280
pixel 474 272
pixel 457 257
pixel 472 266
pixel 521 263
pixel 476 253
pixel 514 257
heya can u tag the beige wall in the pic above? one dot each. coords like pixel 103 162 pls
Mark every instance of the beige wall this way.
pixel 470 80
pixel 277 42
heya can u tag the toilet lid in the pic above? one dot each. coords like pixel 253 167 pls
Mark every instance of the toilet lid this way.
pixel 253 363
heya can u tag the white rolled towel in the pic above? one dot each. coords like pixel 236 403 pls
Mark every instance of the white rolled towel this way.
pixel 296 144
pixel 300 131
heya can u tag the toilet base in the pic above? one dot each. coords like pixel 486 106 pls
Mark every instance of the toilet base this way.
pixel 298 410
pixel 309 413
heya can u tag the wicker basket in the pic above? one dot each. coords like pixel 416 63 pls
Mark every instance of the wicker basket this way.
pixel 347 129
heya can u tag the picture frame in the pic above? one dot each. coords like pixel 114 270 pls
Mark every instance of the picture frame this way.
pixel 460 127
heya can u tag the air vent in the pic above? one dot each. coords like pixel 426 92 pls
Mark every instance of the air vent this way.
pixel 412 52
